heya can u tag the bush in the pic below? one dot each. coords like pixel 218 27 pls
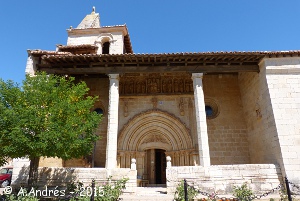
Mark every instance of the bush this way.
pixel 242 193
pixel 75 191
pixel 179 194
pixel 110 191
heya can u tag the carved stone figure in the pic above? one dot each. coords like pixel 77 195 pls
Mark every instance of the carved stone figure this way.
pixel 155 83
pixel 125 108
pixel 181 107
pixel 143 87
pixel 181 85
pixel 176 88
pixel 155 138
pixel 131 87
pixel 188 85
pixel 138 87
pixel 170 86
pixel 154 102
pixel 164 86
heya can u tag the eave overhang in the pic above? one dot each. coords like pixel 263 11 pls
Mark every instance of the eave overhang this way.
pixel 132 63
pixel 205 62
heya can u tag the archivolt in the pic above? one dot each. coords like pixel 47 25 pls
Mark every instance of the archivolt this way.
pixel 169 129
pixel 105 37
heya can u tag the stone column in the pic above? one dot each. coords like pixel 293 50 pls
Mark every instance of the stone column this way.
pixel 201 120
pixel 112 128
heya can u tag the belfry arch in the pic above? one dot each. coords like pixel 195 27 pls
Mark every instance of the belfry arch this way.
pixel 154 130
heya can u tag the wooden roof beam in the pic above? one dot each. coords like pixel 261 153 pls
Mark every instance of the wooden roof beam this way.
pixel 82 69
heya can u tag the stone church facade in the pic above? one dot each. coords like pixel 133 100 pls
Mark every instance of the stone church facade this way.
pixel 210 110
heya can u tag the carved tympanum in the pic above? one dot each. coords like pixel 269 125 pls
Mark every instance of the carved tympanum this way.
pixel 155 138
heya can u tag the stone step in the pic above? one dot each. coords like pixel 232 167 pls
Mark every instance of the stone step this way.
pixel 148 194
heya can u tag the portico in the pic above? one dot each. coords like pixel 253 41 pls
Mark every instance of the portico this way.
pixel 206 109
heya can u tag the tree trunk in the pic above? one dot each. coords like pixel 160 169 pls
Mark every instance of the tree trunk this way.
pixel 33 172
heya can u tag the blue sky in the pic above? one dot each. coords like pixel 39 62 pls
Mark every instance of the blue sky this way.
pixel 155 26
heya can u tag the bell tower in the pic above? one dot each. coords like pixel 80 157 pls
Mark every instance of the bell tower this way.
pixel 105 39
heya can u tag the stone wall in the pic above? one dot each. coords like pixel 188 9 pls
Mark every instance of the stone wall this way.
pixel 283 79
pixel 271 105
pixel 221 178
pixel 227 133
pixel 52 177
pixel 258 111
pixel 116 40
pixel 170 104
pixel 99 87
pixel 51 162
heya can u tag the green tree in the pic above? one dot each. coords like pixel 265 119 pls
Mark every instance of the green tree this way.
pixel 48 116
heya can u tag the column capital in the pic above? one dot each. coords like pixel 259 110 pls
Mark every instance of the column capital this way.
pixel 113 76
pixel 197 75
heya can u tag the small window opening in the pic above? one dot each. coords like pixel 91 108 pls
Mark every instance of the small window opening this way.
pixel 105 48
pixel 209 111
pixel 99 111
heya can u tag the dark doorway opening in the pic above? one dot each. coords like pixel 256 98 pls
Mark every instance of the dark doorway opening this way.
pixel 105 48
pixel 160 166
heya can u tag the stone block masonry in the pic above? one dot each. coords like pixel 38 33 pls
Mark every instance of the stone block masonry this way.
pixel 271 103
pixel 221 178
pixel 52 177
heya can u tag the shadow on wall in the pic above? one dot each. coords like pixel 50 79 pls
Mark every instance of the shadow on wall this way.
pixel 22 177
pixel 56 176
pixel 47 177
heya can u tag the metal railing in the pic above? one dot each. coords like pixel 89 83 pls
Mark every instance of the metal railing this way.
pixel 214 196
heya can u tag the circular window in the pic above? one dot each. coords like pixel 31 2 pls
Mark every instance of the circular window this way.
pixel 208 110
pixel 211 109
pixel 99 111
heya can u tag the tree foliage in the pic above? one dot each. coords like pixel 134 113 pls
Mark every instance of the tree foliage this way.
pixel 48 116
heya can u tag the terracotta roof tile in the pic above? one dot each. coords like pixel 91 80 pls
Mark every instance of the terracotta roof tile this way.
pixel 85 46
pixel 46 52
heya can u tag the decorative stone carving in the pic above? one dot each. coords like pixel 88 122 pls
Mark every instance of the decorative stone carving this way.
pixel 170 86
pixel 181 107
pixel 155 83
pixel 164 86
pixel 155 138
pixel 125 108
pixel 175 132
pixel 138 87
pixel 180 86
pixel 129 87
pixel 154 102
pixel 188 85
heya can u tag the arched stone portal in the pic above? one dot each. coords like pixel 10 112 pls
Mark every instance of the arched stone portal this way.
pixel 146 134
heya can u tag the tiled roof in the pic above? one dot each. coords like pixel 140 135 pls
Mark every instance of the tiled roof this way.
pixel 206 62
pixel 219 53
pixel 46 52
pixel 67 47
